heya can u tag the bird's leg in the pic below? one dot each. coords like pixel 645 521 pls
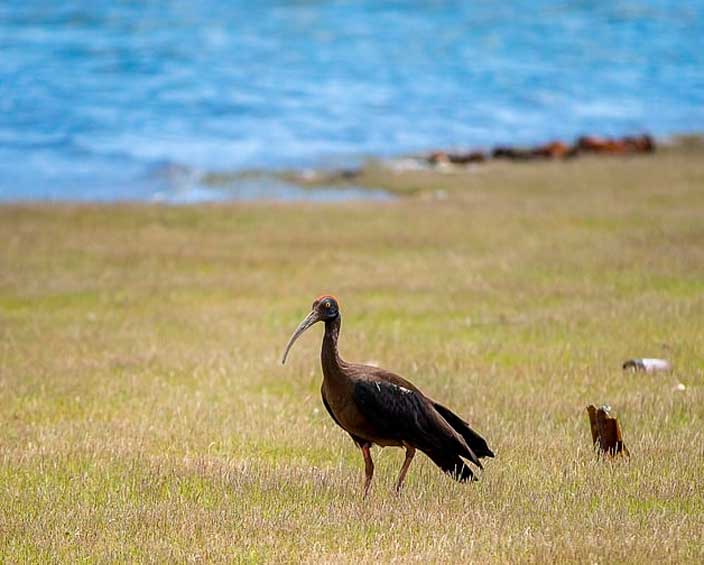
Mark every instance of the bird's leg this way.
pixel 368 468
pixel 410 452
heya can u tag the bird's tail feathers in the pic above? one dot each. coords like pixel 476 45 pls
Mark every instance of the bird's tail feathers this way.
pixel 475 442
pixel 452 465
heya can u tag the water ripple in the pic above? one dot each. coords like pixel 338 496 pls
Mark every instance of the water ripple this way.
pixel 95 94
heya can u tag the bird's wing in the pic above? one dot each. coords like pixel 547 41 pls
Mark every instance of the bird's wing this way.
pixel 365 372
pixel 405 414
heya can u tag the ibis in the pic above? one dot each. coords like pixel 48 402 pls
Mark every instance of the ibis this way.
pixel 377 407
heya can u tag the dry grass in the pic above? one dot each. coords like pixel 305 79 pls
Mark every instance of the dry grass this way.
pixel 145 416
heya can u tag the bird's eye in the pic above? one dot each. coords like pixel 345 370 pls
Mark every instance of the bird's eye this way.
pixel 327 305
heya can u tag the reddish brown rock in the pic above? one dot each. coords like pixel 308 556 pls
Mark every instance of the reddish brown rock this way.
pixel 553 150
pixel 608 146
pixel 514 153
pixel 467 158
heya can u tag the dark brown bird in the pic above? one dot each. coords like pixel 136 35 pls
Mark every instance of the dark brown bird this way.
pixel 378 407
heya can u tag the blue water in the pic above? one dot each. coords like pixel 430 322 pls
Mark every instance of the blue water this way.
pixel 98 98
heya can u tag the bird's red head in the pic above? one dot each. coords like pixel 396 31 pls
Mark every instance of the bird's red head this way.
pixel 327 306
pixel 325 309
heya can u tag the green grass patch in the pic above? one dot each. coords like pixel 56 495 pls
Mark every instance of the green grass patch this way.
pixel 145 414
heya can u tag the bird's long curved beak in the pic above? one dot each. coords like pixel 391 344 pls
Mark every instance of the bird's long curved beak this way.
pixel 309 320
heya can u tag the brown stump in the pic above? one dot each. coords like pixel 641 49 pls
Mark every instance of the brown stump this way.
pixel 606 432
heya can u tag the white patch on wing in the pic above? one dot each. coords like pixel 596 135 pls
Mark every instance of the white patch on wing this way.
pixel 404 389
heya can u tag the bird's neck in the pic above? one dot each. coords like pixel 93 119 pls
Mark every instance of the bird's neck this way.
pixel 329 355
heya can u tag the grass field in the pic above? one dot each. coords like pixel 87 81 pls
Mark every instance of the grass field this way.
pixel 145 415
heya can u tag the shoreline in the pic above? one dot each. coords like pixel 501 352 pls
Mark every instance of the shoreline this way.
pixel 396 175
pixel 381 179
pixel 448 161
